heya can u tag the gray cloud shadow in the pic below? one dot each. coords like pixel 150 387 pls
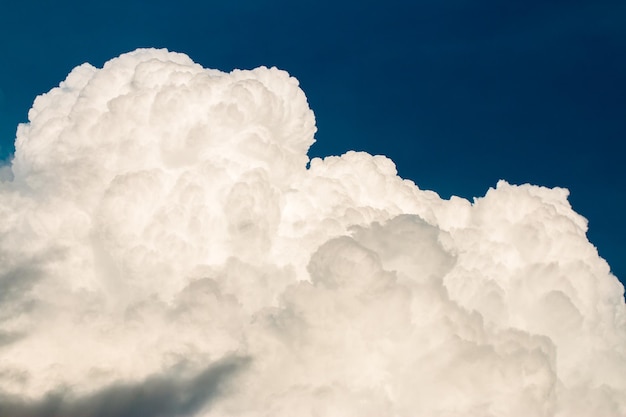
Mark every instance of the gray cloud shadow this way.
pixel 167 395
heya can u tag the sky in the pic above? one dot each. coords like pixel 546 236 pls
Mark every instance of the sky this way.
pixel 177 237
pixel 458 94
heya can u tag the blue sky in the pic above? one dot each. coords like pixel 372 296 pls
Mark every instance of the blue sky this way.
pixel 458 93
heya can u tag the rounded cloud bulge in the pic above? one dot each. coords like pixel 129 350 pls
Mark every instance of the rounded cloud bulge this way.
pixel 168 249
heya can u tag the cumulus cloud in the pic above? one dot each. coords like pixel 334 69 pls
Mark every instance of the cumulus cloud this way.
pixel 165 251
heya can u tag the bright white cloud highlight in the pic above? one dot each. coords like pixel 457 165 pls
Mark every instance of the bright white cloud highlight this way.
pixel 161 222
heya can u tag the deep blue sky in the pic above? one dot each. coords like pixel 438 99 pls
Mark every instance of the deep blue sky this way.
pixel 459 93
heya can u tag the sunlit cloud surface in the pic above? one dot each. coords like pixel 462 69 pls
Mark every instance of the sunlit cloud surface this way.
pixel 167 248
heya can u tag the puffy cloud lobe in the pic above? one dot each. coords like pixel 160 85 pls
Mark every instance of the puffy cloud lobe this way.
pixel 160 215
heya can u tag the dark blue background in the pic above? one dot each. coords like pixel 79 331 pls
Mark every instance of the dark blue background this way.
pixel 458 93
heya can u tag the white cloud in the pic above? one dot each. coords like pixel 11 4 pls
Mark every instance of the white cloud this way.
pixel 161 215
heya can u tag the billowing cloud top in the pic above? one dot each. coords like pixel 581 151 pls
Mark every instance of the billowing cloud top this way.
pixel 166 251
